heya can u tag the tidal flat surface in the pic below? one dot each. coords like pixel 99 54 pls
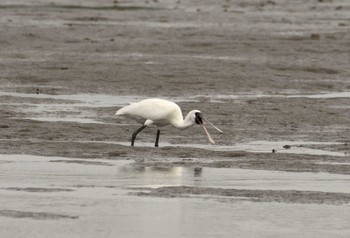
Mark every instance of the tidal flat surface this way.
pixel 273 75
pixel 58 196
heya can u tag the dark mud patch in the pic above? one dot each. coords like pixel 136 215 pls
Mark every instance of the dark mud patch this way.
pixel 39 190
pixel 35 215
pixel 309 69
pixel 76 7
pixel 93 18
pixel 114 7
pixel 170 156
pixel 283 196
pixel 91 186
pixel 82 162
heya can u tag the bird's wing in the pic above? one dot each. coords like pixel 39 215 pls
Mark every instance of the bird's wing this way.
pixel 152 109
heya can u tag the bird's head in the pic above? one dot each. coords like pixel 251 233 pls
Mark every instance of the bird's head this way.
pixel 194 117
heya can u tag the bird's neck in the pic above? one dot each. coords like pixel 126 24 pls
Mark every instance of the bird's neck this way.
pixel 183 123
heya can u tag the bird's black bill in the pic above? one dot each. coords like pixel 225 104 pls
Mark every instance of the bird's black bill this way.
pixel 210 139
pixel 216 128
pixel 199 120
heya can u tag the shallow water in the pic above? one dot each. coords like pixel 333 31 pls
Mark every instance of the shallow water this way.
pixel 76 107
pixel 288 95
pixel 95 194
pixel 82 100
pixel 90 100
pixel 46 171
pixel 104 100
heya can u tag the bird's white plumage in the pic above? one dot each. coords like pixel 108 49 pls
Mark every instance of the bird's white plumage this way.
pixel 161 112
pixel 153 111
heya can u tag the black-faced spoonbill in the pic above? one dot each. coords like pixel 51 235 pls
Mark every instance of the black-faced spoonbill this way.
pixel 161 112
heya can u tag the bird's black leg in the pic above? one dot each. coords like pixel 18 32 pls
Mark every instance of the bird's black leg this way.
pixel 157 139
pixel 135 134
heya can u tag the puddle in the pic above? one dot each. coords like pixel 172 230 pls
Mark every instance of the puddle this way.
pixel 82 100
pixel 241 179
pixel 223 98
pixel 47 172
pixel 75 107
pixel 324 95
pixel 64 119
pixel 72 108
pixel 333 163
pixel 99 196
pixel 175 56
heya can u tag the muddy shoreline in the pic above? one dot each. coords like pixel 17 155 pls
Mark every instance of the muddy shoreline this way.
pixel 273 75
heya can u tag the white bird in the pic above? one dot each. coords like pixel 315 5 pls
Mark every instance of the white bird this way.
pixel 161 112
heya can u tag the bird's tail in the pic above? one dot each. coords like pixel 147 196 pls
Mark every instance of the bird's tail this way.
pixel 124 110
pixel 120 112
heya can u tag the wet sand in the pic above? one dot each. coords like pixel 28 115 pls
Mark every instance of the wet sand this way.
pixel 273 75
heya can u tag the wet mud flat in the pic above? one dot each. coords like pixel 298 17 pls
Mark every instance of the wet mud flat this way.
pixel 273 75
pixel 54 196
